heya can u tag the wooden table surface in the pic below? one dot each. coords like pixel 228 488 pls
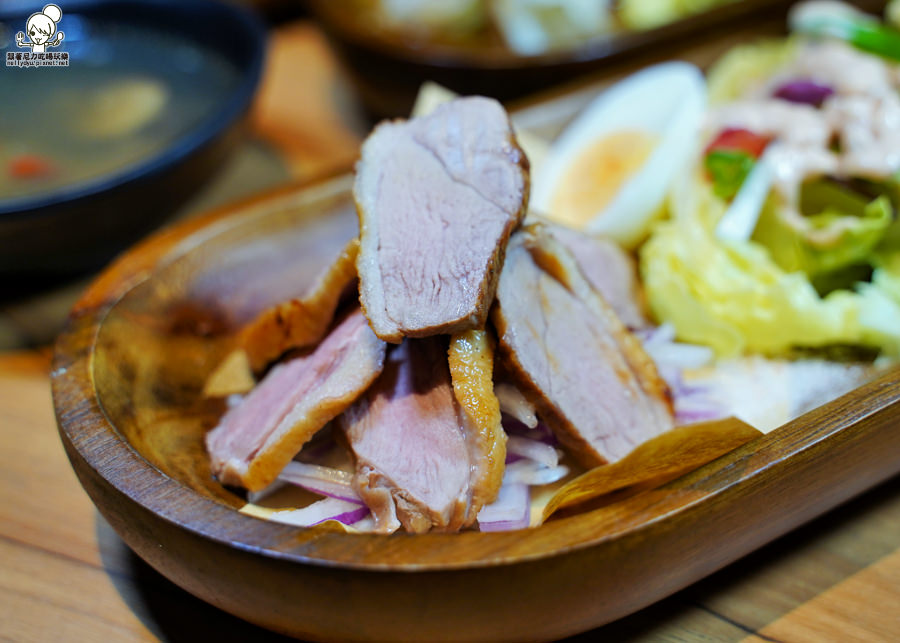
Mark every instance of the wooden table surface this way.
pixel 66 576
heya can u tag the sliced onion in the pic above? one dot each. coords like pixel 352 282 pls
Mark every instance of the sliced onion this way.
pixel 739 221
pixel 533 450
pixel 686 389
pixel 540 432
pixel 533 473
pixel 682 355
pixel 697 408
pixel 513 403
pixel 324 481
pixel 695 416
pixel 693 402
pixel 367 523
pixel 804 91
pixel 656 334
pixel 660 344
pixel 511 510
pixel 322 510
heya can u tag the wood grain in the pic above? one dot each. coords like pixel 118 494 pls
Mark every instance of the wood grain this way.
pixel 47 545
pixel 836 612
pixel 113 594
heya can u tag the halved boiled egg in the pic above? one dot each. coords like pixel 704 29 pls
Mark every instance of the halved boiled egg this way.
pixel 610 170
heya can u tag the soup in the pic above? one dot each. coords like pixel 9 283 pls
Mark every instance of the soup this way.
pixel 127 95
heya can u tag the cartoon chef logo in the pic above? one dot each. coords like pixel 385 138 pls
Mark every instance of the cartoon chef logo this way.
pixel 42 32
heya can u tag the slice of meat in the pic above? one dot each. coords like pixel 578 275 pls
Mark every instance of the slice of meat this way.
pixel 589 377
pixel 609 269
pixel 413 459
pixel 471 358
pixel 258 437
pixel 437 197
pixel 554 258
pixel 300 322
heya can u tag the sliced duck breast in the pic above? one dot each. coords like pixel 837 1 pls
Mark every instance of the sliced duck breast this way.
pixel 257 438
pixel 420 460
pixel 609 269
pixel 588 376
pixel 437 197
pixel 303 321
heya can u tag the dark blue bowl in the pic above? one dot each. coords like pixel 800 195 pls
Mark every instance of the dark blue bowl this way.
pixel 81 226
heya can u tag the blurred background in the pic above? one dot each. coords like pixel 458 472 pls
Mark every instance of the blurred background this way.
pixel 138 113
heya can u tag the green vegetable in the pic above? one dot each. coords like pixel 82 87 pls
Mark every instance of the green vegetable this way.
pixel 847 23
pixel 728 169
pixel 886 275
pixel 844 278
pixel 834 229
pixel 735 298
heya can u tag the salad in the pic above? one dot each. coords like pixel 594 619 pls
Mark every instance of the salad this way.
pixel 785 235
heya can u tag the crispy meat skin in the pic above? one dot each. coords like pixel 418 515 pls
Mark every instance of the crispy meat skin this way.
pixel 300 322
pixel 589 377
pixel 437 198
pixel 256 439
pixel 471 357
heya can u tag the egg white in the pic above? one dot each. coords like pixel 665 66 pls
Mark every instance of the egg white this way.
pixel 666 101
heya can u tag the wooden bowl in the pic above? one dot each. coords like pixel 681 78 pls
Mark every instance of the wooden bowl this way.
pixel 126 388
pixel 82 224
pixel 387 67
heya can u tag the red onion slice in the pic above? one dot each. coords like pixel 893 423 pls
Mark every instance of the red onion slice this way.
pixel 511 510
pixel 322 510
pixel 533 473
pixel 804 91
pixel 324 481
pixel 533 450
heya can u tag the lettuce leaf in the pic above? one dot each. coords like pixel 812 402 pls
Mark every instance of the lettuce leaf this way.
pixel 886 275
pixel 736 299
pixel 759 296
pixel 836 229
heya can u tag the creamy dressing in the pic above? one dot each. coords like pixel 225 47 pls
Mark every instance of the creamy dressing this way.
pixel 869 130
pixel 862 117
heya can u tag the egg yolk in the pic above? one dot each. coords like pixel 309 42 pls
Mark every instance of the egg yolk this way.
pixel 597 174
